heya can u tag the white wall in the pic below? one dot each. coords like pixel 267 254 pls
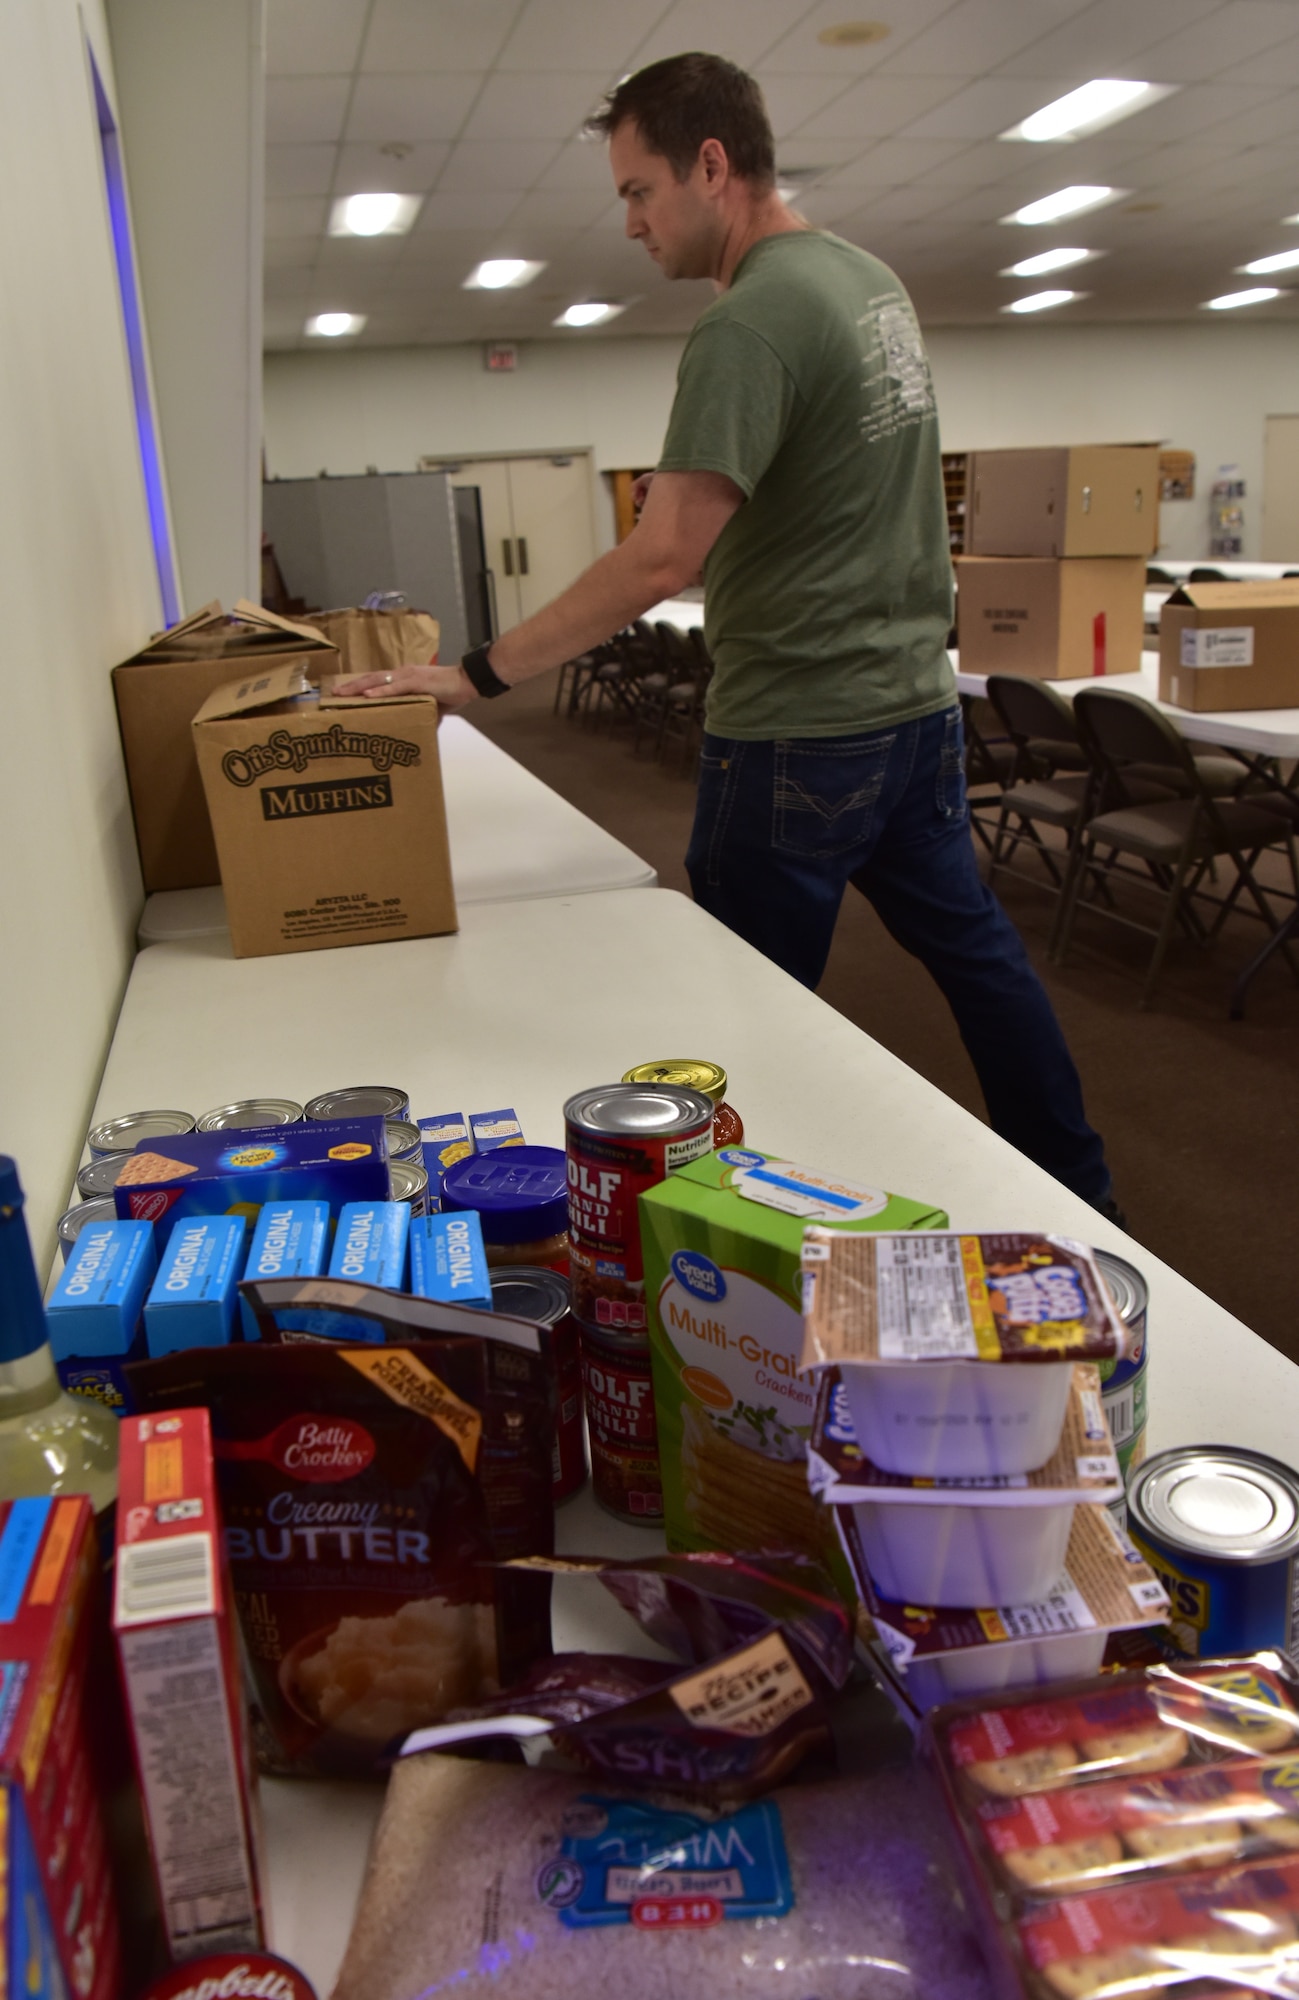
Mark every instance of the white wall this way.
pixel 1205 389
pixel 79 590
pixel 191 92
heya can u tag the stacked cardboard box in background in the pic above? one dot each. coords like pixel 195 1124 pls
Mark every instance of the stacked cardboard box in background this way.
pixel 1059 538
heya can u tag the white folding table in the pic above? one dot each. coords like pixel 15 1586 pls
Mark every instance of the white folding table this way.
pixel 511 836
pixel 531 1001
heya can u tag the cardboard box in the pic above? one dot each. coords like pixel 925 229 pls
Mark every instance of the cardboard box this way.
pixel 94 1311
pixel 1066 500
pixel 174 1622
pixel 157 692
pixel 1051 621
pixel 328 814
pixel 722 1239
pixel 1230 645
pixel 58 1913
pixel 215 1173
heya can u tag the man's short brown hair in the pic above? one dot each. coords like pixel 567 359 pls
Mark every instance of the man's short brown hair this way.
pixel 678 103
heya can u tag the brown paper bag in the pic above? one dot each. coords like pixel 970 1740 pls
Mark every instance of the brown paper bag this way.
pixel 378 642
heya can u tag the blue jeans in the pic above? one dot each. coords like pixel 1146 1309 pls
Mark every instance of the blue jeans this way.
pixel 782 827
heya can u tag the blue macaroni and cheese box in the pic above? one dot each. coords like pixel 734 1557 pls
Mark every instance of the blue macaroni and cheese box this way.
pixel 93 1316
pixel 445 1139
pixel 490 1129
pixel 215 1173
pixel 370 1244
pixel 290 1241
pixel 447 1259
pixel 193 1298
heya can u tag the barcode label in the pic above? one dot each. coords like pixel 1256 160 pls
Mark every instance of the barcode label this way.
pixel 1121 1411
pixel 171 1579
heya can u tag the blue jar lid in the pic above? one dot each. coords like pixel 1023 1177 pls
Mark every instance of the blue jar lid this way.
pixel 520 1192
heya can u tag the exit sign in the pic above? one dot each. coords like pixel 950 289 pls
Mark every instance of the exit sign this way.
pixel 501 357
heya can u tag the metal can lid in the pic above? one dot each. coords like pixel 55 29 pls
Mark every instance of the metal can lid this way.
pixel 235 1973
pixel 530 1291
pixel 638 1110
pixel 404 1142
pixel 99 1177
pixel 360 1100
pixel 251 1114
pixel 519 1192
pixel 123 1135
pixel 77 1218
pixel 1218 1501
pixel 1127 1286
pixel 407 1181
pixel 685 1072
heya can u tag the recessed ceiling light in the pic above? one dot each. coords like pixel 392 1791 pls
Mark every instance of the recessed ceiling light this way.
pixel 1290 220
pixel 373 214
pixel 1285 260
pixel 1229 301
pixel 1065 201
pixel 499 272
pixel 1101 102
pixel 589 312
pixel 854 34
pixel 1040 302
pixel 1049 260
pixel 331 325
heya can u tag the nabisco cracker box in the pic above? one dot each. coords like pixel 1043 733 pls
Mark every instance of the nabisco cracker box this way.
pixel 327 812
pixel 58 1917
pixel 177 1644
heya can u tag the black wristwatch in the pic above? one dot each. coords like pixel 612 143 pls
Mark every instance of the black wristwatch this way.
pixel 482 676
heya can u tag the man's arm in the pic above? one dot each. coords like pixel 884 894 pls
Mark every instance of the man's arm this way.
pixel 683 515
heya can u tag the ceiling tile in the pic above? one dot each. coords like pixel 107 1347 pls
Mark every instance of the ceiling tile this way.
pixel 1201 109
pixel 513 163
pixel 313 37
pixel 436 34
pixel 514 107
pixel 983 109
pixel 894 162
pixel 1273 123
pixel 583 163
pixel 800 52
pixel 466 208
pixel 302 108
pixel 874 108
pixel 296 215
pixel 560 208
pixel 792 100
pixel 740 33
pixel 565 35
pixel 282 285
pixel 1199 53
pixel 424 106
pixel 1104 39
pixel 289 253
pixel 1279 67
pixel 368 169
pixel 299 169
pixel 975 35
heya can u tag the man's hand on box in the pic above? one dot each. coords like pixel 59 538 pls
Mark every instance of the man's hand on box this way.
pixel 448 685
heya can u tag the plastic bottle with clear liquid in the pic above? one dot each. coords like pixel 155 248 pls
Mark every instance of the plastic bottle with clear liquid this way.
pixel 50 1442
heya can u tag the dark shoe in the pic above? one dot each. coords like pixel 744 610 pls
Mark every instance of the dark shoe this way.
pixel 1110 1209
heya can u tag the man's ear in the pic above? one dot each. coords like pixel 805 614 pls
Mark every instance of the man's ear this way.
pixel 716 166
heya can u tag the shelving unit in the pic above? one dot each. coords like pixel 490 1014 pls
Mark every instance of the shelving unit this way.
pixel 955 468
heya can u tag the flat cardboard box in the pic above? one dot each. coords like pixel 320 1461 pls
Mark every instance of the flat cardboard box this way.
pixel 1064 500
pixel 1230 645
pixel 328 813
pixel 1049 620
pixel 157 692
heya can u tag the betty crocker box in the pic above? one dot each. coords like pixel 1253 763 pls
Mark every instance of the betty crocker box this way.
pixel 218 1173
pixel 174 1621
pixel 58 1918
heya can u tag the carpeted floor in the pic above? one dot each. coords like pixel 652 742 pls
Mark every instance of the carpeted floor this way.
pixel 1198 1113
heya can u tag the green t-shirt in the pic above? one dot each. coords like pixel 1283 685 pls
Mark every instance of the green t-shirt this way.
pixel 828 595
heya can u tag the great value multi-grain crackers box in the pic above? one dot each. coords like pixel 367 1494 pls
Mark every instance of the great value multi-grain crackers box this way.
pixel 722 1239
pixel 58 1916
pixel 178 1647
pixel 234 1173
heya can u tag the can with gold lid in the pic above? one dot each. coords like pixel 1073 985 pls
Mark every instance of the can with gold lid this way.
pixel 710 1078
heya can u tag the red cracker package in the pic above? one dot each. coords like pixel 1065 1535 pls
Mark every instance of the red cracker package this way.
pixel 173 1616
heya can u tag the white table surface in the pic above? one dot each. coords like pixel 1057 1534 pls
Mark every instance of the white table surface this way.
pixel 511 836
pixel 683 612
pixel 1267 732
pixel 532 1001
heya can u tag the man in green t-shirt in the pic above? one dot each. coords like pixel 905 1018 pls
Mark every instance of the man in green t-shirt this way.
pixel 801 476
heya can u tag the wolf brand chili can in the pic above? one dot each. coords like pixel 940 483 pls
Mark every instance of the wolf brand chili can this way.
pixel 622 1139
pixel 359 1100
pixel 232 1975
pixel 1123 1383
pixel 623 1429
pixel 251 1114
pixel 408 1182
pixel 123 1135
pixel 710 1078
pixel 535 1293
pixel 1220 1528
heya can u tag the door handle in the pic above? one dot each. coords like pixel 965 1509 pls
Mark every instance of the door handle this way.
pixel 508 556
pixel 523 555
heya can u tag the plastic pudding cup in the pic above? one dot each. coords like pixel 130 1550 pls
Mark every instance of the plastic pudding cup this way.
pixel 964 1556
pixel 1021 1663
pixel 958 1419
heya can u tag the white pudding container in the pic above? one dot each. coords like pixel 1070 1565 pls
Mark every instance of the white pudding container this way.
pixel 964 1556
pixel 958 1419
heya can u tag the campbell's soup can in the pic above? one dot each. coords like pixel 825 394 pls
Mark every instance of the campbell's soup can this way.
pixel 622 1139
pixel 232 1975
pixel 622 1427
pixel 1124 1383
pixel 534 1292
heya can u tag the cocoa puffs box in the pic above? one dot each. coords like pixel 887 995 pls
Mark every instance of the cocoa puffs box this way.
pixel 220 1173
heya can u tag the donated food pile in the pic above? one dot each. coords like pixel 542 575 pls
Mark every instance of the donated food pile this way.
pixel 381 1347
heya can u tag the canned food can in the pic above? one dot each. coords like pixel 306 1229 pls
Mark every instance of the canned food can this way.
pixel 231 1973
pixel 622 1427
pixel 536 1293
pixel 404 1140
pixel 408 1182
pixel 79 1217
pixel 123 1135
pixel 99 1177
pixel 622 1139
pixel 692 1074
pixel 1124 1383
pixel 1220 1528
pixel 360 1100
pixel 251 1114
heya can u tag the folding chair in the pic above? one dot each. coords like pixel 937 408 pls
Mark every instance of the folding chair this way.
pixel 1176 841
pixel 1040 726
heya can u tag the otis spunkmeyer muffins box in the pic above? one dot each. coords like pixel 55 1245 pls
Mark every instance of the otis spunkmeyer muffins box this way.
pixel 328 814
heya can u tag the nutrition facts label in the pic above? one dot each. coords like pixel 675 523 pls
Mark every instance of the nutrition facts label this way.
pixel 922 1300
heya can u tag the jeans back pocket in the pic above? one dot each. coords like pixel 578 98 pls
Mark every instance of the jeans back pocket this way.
pixel 825 792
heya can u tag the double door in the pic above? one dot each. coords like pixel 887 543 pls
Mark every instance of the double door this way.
pixel 538 527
